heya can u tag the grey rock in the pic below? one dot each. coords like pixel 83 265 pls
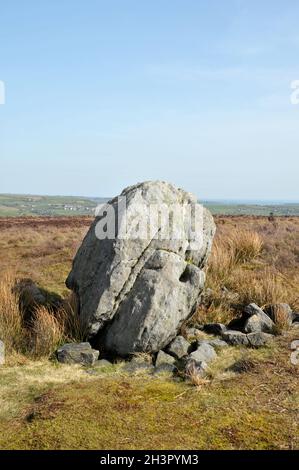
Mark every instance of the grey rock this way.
pixel 259 339
pixel 235 338
pixel 215 328
pixel 217 343
pixel 2 353
pixel 258 321
pixel 163 358
pixel 140 289
pixel 194 367
pixel 281 308
pixel 295 324
pixel 204 352
pixel 179 347
pixel 77 353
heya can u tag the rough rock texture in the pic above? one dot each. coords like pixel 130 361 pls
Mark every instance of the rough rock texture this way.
pixel 217 343
pixel 282 310
pixel 163 358
pixel 2 353
pixel 77 353
pixel 257 340
pixel 235 338
pixel 194 367
pixel 204 352
pixel 214 328
pixel 179 347
pixel 258 320
pixel 135 293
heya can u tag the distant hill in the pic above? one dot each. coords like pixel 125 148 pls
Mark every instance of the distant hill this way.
pixel 33 205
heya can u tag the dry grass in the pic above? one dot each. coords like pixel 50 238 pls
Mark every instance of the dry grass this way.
pixel 11 327
pixel 252 260
pixel 47 329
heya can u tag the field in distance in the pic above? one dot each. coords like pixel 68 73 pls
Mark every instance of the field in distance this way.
pixel 15 205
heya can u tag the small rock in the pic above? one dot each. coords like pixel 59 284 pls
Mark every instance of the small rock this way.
pixel 204 352
pixel 179 347
pixel 258 321
pixel 295 324
pixel 77 353
pixel 195 367
pixel 235 338
pixel 217 343
pixel 282 309
pixel 257 340
pixel 2 353
pixel 163 358
pixel 215 328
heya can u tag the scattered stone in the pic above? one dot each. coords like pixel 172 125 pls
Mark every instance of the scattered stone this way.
pixel 258 321
pixel 215 328
pixel 217 343
pixel 194 367
pixel 259 339
pixel 140 289
pixel 77 353
pixel 235 338
pixel 163 358
pixel 281 310
pixel 179 347
pixel 2 353
pixel 204 352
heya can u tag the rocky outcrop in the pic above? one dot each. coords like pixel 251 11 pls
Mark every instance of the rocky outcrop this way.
pixel 136 291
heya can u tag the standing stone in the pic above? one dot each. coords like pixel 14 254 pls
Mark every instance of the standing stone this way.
pixel 2 353
pixel 136 291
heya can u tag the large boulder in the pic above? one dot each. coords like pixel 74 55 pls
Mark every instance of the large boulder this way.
pixel 138 283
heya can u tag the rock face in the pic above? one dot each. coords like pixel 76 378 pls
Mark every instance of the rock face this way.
pixel 135 291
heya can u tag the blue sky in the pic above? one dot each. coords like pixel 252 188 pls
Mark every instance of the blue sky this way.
pixel 103 94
